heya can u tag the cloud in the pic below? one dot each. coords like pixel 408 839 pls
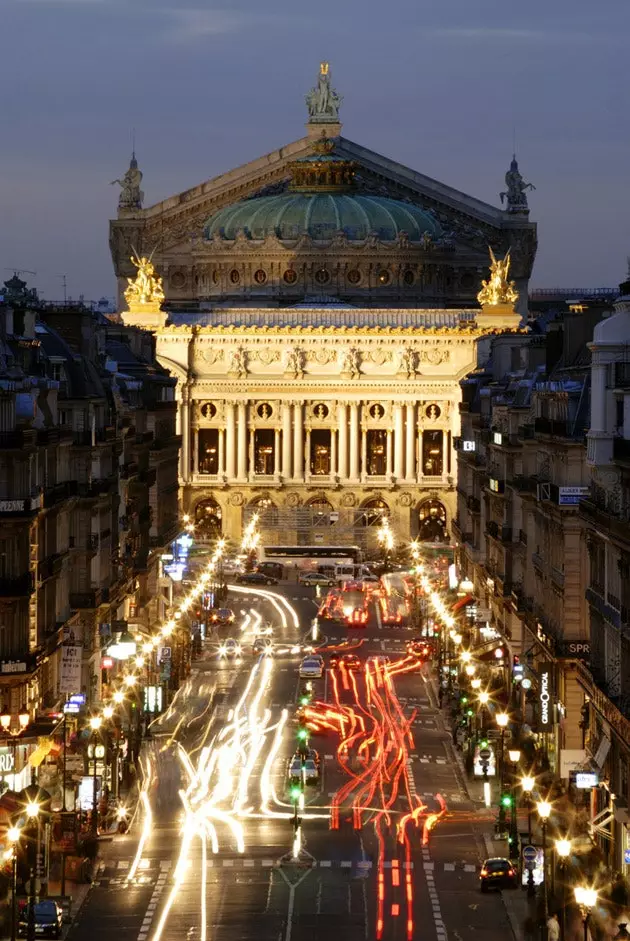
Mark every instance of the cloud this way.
pixel 192 23
pixel 516 34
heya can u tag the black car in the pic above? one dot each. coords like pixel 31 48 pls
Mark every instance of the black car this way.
pixel 48 919
pixel 256 578
pixel 498 873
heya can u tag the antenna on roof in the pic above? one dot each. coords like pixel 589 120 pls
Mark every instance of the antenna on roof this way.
pixel 64 282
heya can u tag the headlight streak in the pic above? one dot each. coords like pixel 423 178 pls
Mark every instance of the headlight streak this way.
pixel 148 819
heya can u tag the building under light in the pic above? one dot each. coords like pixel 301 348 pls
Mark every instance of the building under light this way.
pixel 321 306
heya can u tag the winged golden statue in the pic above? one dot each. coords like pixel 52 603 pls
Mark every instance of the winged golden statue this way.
pixel 145 293
pixel 497 289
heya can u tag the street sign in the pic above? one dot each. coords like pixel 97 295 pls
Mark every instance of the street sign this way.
pixel 626 857
pixel 485 753
pixel 530 854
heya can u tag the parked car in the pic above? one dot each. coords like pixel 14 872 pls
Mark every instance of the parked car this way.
pixel 48 919
pixel 273 569
pixel 497 873
pixel 315 578
pixel 256 578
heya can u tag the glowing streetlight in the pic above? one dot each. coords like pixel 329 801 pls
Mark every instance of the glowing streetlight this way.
pixel 514 755
pixel 502 720
pixel 471 669
pixel 484 698
pixel 544 812
pixel 465 656
pixel 95 723
pixel 139 662
pixel 586 899
pixel 13 834
pixel 118 697
pixel 108 712
pixel 476 683
pixel 32 810
pixel 130 680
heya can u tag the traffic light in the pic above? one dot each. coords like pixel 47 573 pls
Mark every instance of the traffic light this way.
pixel 305 699
pixel 483 743
pixel 463 700
pixel 506 800
pixel 469 713
pixel 302 734
pixel 295 793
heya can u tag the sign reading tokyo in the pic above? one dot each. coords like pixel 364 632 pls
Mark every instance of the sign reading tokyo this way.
pixel 545 699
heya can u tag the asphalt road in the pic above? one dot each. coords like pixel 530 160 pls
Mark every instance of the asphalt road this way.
pixel 345 880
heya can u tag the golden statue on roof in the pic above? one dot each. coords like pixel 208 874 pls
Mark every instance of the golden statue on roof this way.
pixel 498 289
pixel 145 293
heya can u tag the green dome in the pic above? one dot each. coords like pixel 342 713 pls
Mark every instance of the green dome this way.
pixel 321 215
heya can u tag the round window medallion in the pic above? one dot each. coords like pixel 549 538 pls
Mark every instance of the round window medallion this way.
pixel 265 410
pixel 433 411
pixel 322 276
pixel 320 411
pixel 408 277
pixel 377 411
pixel 354 276
pixel 235 276
pixel 178 279
pixel 208 410
pixel 384 277
pixel 260 276
pixel 290 276
pixel 215 277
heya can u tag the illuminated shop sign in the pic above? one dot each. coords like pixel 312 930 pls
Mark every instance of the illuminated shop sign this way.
pixel 545 699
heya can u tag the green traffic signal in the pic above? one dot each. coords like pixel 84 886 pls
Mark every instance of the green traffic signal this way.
pixel 469 712
pixel 464 700
pixel 302 734
pixel 506 800
pixel 304 701
pixel 295 793
pixel 483 744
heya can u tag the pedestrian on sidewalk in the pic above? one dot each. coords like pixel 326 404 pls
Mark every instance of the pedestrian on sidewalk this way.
pixel 553 928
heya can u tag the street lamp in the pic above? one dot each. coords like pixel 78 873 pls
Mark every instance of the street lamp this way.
pixel 13 836
pixel 563 851
pixel 544 811
pixel 32 812
pixel 528 784
pixel 95 724
pixel 502 720
pixel 471 669
pixel 586 900
pixel 514 754
pixel 476 683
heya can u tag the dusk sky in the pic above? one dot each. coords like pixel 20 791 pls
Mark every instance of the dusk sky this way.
pixel 443 86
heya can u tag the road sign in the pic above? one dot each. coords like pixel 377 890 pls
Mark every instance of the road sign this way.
pixel 485 754
pixel 529 856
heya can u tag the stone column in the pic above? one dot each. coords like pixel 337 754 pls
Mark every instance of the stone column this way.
pixel 242 441
pixel 342 458
pixel 410 446
pixel 307 460
pixel 185 426
pixel 286 440
pixel 399 443
pixel 333 452
pixel 298 442
pixel 444 452
pixel 364 463
pixel 354 441
pixel 420 461
pixel 195 440
pixel 252 458
pixel 230 464
pixel 389 454
pixel 276 453
pixel 221 451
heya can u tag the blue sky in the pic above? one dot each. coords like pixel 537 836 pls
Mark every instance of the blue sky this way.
pixel 444 86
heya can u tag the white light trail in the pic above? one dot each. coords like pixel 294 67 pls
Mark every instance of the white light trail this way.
pixel 148 819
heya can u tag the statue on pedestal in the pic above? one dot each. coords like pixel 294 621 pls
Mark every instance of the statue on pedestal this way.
pixel 497 289
pixel 145 293
pixel 131 196
pixel 323 102
pixel 516 193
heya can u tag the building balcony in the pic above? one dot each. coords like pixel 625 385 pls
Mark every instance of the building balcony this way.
pixel 473 504
pixel 19 587
pixel 86 599
pixel 538 562
pixel 18 440
pixel 557 576
pixel 50 567
pixel 614 525
pixel 59 492
pixel 522 483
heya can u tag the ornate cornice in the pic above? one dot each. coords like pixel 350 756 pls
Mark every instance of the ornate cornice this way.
pixel 467 329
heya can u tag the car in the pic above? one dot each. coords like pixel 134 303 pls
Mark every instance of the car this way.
pixel 301 768
pixel 311 771
pixel 315 578
pixel 357 617
pixel 380 659
pixel 256 578
pixel 307 753
pixel 311 666
pixel 419 648
pixel 222 616
pixel 48 917
pixel 230 648
pixel 349 661
pixel 262 645
pixel 498 873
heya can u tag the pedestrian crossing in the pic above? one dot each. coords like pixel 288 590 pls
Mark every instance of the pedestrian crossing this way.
pixel 157 871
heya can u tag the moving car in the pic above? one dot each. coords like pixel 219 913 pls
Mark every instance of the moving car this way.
pixel 311 666
pixel 305 767
pixel 348 660
pixel 48 919
pixel 357 617
pixel 230 648
pixel 222 616
pixel 419 648
pixel 497 873
pixel 315 578
pixel 256 578
pixel 263 645
pixel 380 658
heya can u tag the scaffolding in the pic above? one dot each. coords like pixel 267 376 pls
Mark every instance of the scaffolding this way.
pixel 312 526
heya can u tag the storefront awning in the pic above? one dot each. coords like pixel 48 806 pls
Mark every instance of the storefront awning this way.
pixel 44 747
pixel 459 605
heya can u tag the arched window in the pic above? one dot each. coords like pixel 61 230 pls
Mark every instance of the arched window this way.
pixel 266 509
pixel 208 516
pixel 373 512
pixel 321 509
pixel 432 522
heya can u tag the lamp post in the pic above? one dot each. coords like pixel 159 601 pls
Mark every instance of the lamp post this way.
pixel 544 811
pixel 514 755
pixel 586 900
pixel 32 812
pixel 563 851
pixel 95 724
pixel 484 699
pixel 13 836
pixel 528 784
pixel 502 720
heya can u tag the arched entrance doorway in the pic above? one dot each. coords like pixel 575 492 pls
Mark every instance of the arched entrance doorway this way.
pixel 266 510
pixel 432 522
pixel 373 512
pixel 320 509
pixel 208 519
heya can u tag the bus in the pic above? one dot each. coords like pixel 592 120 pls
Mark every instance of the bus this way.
pixel 338 562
